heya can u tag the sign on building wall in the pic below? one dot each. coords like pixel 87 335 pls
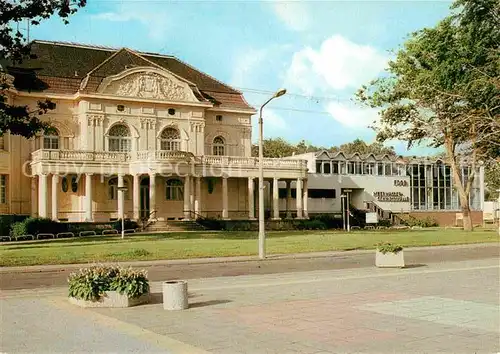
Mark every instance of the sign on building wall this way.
pixel 371 218
pixel 391 197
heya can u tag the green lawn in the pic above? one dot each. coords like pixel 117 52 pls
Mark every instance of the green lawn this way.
pixel 219 244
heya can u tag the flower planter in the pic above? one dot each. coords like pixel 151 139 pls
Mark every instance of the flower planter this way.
pixel 389 260
pixel 175 295
pixel 111 299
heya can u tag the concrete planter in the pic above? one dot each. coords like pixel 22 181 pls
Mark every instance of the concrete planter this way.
pixel 175 295
pixel 389 260
pixel 111 299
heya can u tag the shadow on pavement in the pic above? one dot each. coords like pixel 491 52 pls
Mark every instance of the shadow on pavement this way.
pixel 157 298
pixel 415 266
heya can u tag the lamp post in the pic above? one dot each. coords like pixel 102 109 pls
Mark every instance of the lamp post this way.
pixel 123 190
pixel 498 211
pixel 262 236
pixel 347 192
pixel 342 198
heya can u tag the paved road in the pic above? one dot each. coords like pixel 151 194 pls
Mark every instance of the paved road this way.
pixel 413 257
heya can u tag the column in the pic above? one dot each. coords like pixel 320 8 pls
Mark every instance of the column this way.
pixel 88 196
pixel 225 211
pixel 33 196
pixel 251 201
pixel 42 195
pixel 288 199
pixel 276 200
pixel 136 196
pixel 55 181
pixel 152 196
pixel 120 198
pixel 305 197
pixel 298 198
pixel 187 197
pixel 197 202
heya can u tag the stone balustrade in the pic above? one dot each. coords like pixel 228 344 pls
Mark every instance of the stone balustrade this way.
pixel 168 156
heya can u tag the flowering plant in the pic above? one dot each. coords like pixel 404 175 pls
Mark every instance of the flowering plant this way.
pixel 91 283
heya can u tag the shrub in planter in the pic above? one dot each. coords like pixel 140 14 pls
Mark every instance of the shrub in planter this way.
pixel 92 284
pixel 389 255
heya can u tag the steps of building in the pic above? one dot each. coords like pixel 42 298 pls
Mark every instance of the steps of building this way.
pixel 174 225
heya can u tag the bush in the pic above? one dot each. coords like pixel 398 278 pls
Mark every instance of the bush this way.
pixel 35 226
pixel 7 221
pixel 128 224
pixel 424 222
pixel 387 247
pixel 91 283
pixel 211 223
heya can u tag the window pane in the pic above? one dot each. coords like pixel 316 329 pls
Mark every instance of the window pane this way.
pixel 327 168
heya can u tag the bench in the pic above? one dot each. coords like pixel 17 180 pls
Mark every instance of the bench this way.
pixel 45 235
pixel 87 233
pixel 2 238
pixel 65 234
pixel 24 236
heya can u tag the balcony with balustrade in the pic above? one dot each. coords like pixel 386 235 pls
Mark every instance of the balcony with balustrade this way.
pixel 161 161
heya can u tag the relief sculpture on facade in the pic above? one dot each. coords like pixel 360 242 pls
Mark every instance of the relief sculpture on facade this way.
pixel 149 85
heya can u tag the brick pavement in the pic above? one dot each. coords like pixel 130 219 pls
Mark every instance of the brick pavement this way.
pixel 439 308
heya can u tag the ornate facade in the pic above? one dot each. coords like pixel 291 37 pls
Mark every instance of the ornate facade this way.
pixel 139 131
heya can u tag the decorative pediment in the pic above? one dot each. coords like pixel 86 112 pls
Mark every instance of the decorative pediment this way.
pixel 149 83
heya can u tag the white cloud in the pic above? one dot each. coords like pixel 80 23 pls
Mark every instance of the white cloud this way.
pixel 274 125
pixel 155 17
pixel 244 65
pixel 294 14
pixel 352 116
pixel 337 65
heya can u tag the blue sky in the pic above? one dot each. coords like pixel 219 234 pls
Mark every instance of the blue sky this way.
pixel 320 51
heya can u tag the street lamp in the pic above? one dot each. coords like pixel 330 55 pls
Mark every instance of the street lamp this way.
pixel 498 211
pixel 262 236
pixel 342 198
pixel 347 192
pixel 122 190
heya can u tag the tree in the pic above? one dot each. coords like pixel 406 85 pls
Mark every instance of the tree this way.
pixel 360 147
pixel 442 89
pixel 20 120
pixel 492 180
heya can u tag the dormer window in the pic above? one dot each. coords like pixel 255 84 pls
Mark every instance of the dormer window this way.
pixel 219 146
pixel 51 141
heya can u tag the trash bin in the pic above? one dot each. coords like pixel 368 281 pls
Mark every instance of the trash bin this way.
pixel 175 295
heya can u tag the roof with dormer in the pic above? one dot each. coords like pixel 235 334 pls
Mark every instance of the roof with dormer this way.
pixel 68 68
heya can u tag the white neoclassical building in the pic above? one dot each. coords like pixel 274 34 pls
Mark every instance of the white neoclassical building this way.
pixel 177 139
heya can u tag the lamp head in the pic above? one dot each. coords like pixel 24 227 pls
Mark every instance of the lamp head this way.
pixel 280 93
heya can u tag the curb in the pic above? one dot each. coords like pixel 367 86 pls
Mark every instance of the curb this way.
pixel 273 257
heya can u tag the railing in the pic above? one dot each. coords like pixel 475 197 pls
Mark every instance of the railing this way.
pixel 110 156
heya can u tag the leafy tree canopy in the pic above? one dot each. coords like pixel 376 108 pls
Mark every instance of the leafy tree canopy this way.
pixel 443 88
pixel 20 120
pixel 280 148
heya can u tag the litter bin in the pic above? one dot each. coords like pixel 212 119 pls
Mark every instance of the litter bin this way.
pixel 175 295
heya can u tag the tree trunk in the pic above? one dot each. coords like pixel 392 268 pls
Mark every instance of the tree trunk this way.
pixel 467 218
pixel 463 196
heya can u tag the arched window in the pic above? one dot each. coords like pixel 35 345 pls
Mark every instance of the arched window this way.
pixel 219 146
pixel 174 189
pixel 113 188
pixel 119 138
pixel 51 140
pixel 170 139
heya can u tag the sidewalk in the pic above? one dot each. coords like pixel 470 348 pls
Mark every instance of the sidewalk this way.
pixel 448 307
pixel 309 255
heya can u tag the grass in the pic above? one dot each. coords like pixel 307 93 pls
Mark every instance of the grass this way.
pixel 220 244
